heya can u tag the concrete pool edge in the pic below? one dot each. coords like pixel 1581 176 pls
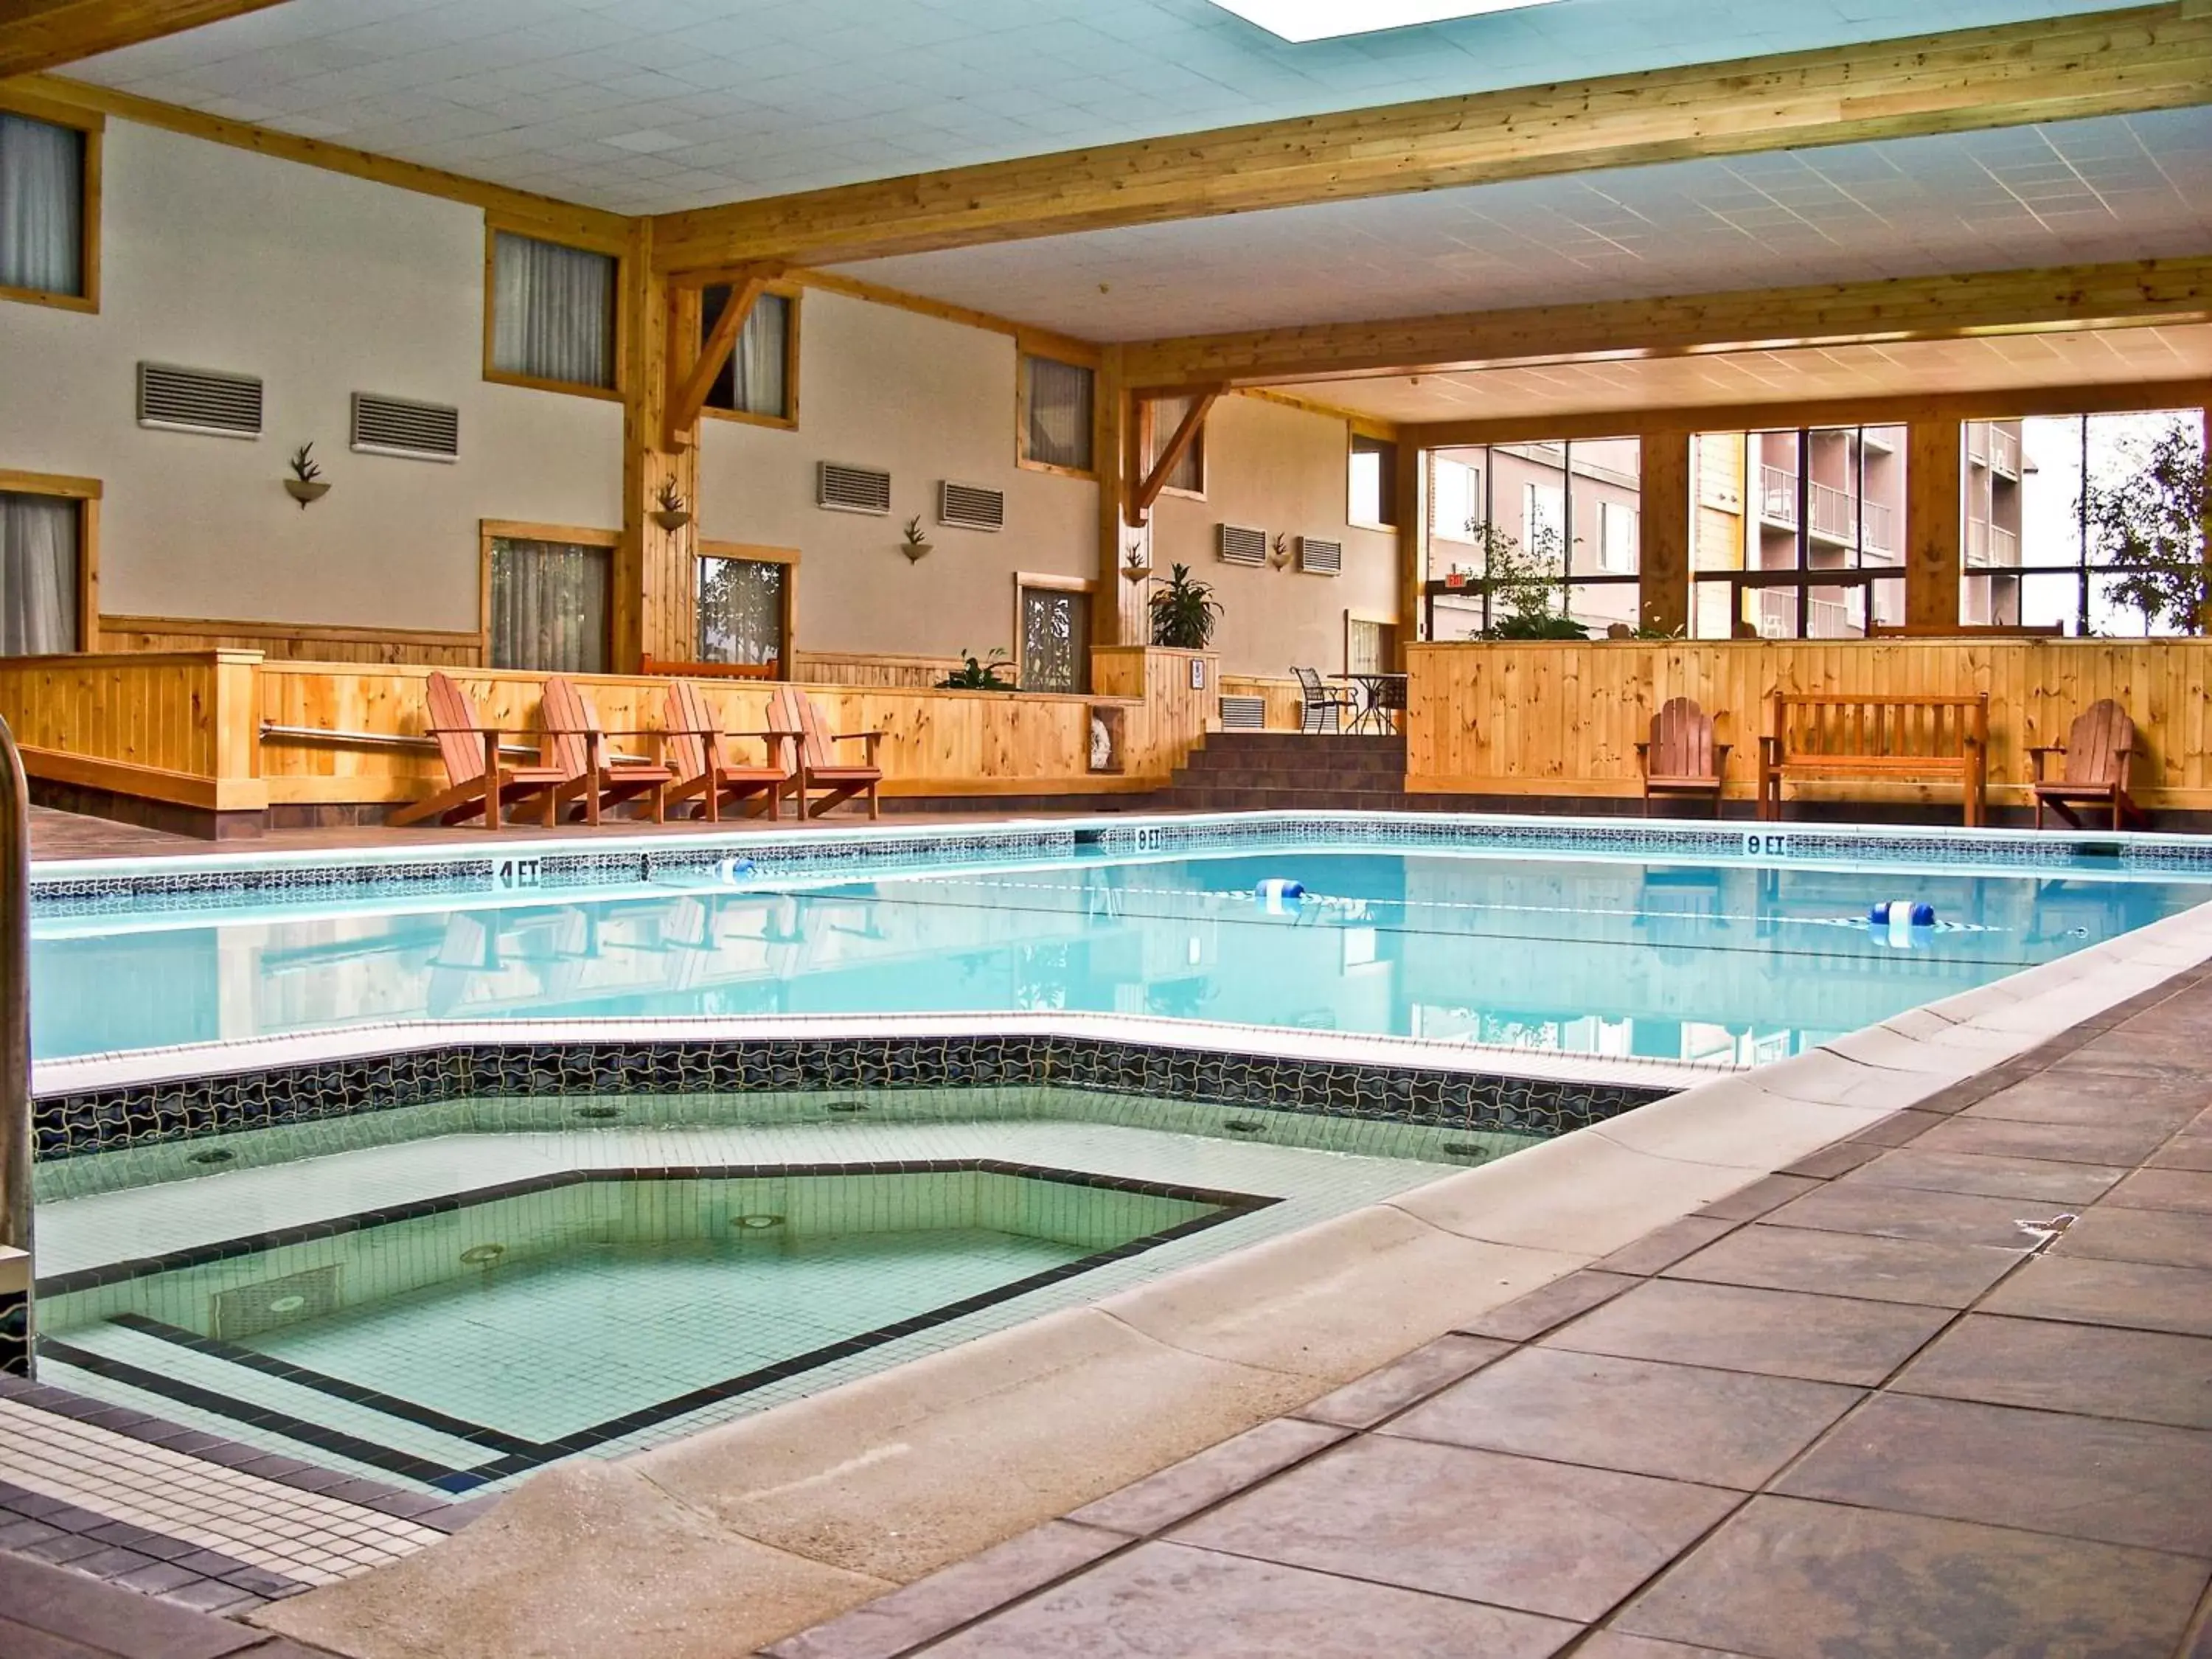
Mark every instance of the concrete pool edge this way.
pixel 742 1534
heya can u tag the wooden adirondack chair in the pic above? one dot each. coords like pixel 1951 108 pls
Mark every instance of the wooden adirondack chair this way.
pixel 1681 760
pixel 694 749
pixel 2098 749
pixel 819 772
pixel 478 778
pixel 576 747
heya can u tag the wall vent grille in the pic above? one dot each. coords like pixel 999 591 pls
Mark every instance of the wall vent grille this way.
pixel 199 400
pixel 1318 557
pixel 1242 544
pixel 852 490
pixel 970 506
pixel 1242 713
pixel 401 427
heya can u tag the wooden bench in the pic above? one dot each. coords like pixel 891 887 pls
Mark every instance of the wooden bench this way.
pixel 1877 740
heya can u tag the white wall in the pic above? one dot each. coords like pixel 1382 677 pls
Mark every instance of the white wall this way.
pixel 1281 470
pixel 923 399
pixel 216 257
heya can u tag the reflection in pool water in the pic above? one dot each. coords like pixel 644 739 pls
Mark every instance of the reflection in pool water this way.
pixel 1735 963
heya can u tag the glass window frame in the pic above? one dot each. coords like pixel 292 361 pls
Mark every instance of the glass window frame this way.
pixel 1572 573
pixel 1386 450
pixel 792 295
pixel 87 493
pixel 619 321
pixel 91 128
pixel 489 531
pixel 749 553
pixel 1022 458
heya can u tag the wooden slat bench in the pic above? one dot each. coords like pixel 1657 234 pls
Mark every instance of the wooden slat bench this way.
pixel 1877 740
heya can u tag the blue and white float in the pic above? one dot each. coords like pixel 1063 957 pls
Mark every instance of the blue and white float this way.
pixel 1279 895
pixel 1898 918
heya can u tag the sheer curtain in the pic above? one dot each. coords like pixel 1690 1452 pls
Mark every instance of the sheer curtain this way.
pixel 753 381
pixel 1059 413
pixel 38 575
pixel 553 312
pixel 1189 472
pixel 548 606
pixel 41 206
pixel 740 610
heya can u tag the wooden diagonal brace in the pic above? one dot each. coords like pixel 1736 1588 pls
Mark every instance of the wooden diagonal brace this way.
pixel 1186 435
pixel 687 398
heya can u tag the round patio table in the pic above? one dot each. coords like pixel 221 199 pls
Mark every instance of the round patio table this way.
pixel 1375 703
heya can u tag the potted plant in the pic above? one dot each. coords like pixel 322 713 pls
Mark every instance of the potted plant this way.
pixel 1281 555
pixel 2152 523
pixel 1522 585
pixel 306 484
pixel 673 512
pixel 978 676
pixel 1184 611
pixel 914 544
pixel 1136 561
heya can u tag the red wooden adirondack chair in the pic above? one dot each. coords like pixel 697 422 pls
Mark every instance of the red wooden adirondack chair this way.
pixel 2098 750
pixel 693 745
pixel 790 710
pixel 478 778
pixel 1681 759
pixel 576 745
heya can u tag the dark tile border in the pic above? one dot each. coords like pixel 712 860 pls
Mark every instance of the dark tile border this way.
pixel 109 1120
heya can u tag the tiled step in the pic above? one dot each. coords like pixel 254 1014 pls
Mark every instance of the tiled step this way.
pixel 1329 765
pixel 1290 778
pixel 1198 799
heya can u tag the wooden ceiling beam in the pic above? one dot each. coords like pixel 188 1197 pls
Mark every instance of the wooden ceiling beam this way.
pixel 2138 293
pixel 1895 409
pixel 44 34
pixel 2141 57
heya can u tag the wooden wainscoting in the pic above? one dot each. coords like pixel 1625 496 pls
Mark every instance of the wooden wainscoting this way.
pixel 292 641
pixel 1285 706
pixel 861 668
pixel 1502 719
pixel 173 727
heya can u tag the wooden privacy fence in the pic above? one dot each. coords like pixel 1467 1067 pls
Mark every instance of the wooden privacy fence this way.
pixel 232 731
pixel 1498 717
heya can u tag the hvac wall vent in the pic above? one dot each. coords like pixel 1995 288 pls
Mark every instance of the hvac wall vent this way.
pixel 852 490
pixel 401 427
pixel 1241 713
pixel 1319 558
pixel 199 400
pixel 970 506
pixel 1241 544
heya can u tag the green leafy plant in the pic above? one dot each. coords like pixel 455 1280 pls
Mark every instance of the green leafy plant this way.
pixel 1184 611
pixel 977 674
pixel 1522 585
pixel 2153 519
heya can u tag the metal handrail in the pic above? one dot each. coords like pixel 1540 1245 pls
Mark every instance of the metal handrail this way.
pixel 381 739
pixel 15 1015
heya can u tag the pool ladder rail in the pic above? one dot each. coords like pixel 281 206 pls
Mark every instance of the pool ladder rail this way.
pixel 17 1328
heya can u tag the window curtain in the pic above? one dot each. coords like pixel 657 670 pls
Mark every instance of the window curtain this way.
pixel 1059 413
pixel 553 312
pixel 753 381
pixel 1189 472
pixel 38 575
pixel 548 606
pixel 740 610
pixel 41 206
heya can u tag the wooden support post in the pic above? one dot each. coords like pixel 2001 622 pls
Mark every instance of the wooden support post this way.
pixel 1663 516
pixel 1117 606
pixel 1178 445
pixel 1934 503
pixel 652 595
pixel 1409 505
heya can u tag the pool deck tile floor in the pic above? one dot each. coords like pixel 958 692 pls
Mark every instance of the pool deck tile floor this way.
pixel 1902 1398
pixel 1952 1396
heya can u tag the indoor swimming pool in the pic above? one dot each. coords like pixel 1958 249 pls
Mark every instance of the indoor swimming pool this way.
pixel 1732 960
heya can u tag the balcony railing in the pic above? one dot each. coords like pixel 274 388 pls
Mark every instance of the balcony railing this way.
pixel 1878 521
pixel 2004 452
pixel 1833 517
pixel 1989 546
pixel 1778 495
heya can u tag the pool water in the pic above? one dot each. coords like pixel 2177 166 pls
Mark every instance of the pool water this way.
pixel 1729 962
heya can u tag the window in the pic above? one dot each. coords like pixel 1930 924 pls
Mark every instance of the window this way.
pixel 1056 414
pixel 762 373
pixel 2033 553
pixel 547 605
pixel 553 314
pixel 1814 548
pixel 1562 519
pixel 49 210
pixel 1161 416
pixel 742 607
pixel 1056 639
pixel 44 572
pixel 1374 497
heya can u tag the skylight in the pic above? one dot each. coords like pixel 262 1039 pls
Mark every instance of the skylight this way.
pixel 1326 20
